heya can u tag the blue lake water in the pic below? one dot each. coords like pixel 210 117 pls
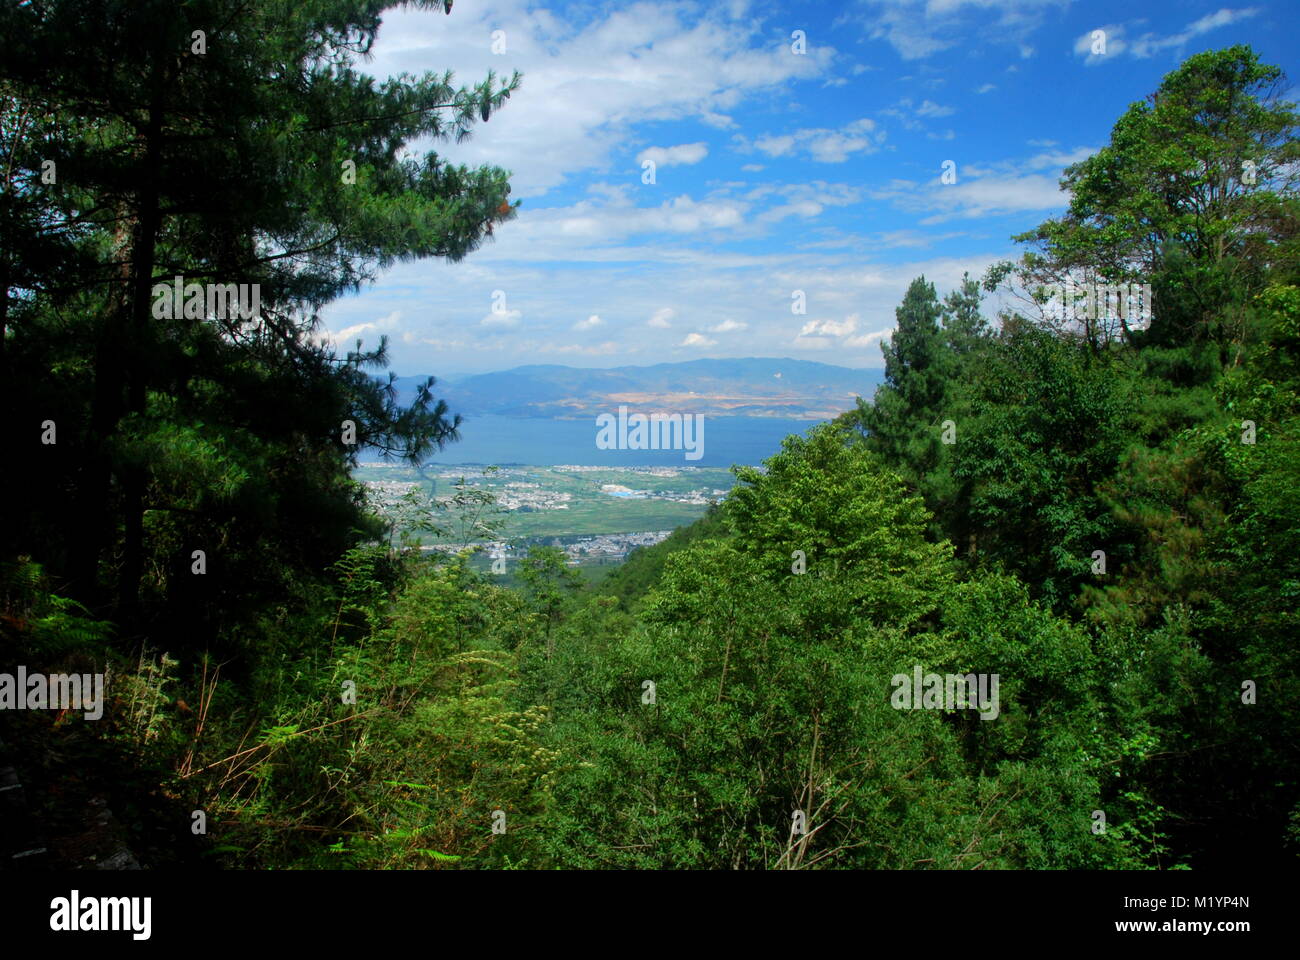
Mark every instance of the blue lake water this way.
pixel 545 443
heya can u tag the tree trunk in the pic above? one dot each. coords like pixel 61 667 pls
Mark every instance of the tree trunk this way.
pixel 143 250
pixel 120 389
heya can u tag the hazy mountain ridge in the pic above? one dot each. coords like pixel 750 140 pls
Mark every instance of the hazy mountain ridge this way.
pixel 748 387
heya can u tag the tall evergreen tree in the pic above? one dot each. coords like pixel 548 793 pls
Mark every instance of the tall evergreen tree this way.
pixel 904 421
pixel 227 143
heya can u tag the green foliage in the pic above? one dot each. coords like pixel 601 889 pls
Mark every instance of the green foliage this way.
pixel 1170 201
pixel 46 624
pixel 1112 531
pixel 198 429
pixel 1046 424
pixel 853 521
pixel 645 565
pixel 904 422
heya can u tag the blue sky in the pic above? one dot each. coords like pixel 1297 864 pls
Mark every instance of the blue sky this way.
pixel 775 171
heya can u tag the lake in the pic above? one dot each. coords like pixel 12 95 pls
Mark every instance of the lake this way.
pixel 499 440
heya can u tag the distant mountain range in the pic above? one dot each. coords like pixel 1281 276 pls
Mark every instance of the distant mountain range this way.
pixel 750 387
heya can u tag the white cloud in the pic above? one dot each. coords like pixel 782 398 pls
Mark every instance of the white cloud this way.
pixel 684 154
pixel 583 114
pixel 1060 159
pixel 873 243
pixel 600 225
pixel 444 333
pixel 868 339
pixel 908 113
pixel 994 196
pixel 987 191
pixel 727 326
pixel 831 147
pixel 589 75
pixel 588 223
pixel 599 350
pixel 775 146
pixel 822 144
pixel 661 318
pixel 806 209
pixel 1149 44
pixel 718 120
pixel 830 328
pixel 1220 18
pixel 506 318
pixel 987 88
pixel 929 108
pixel 385 324
pixel 1110 38
pixel 591 322
pixel 347 333
pixel 917 29
pixel 697 340
pixel 804 200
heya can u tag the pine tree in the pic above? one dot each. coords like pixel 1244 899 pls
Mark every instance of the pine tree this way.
pixel 904 422
pixel 231 143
